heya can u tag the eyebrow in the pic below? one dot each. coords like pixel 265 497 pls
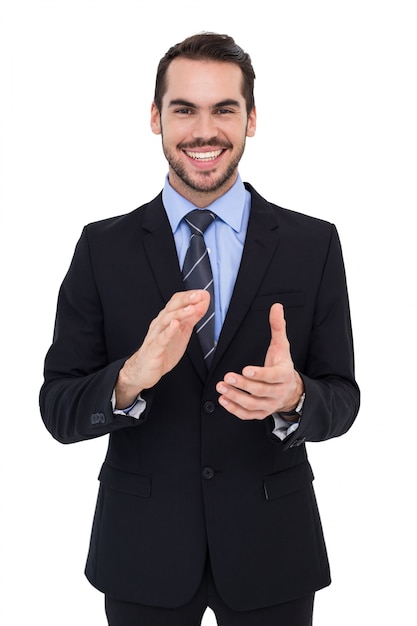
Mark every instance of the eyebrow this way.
pixel 224 103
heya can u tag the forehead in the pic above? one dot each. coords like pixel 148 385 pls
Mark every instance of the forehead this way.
pixel 193 79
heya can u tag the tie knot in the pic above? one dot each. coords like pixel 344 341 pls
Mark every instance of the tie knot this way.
pixel 198 220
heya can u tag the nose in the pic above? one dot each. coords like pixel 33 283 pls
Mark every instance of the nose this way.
pixel 205 126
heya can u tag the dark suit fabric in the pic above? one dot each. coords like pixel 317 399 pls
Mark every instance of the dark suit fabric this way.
pixel 159 508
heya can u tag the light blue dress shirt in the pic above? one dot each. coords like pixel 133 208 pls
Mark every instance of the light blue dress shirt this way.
pixel 224 238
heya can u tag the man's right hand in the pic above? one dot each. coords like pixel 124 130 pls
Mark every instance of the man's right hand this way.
pixel 163 347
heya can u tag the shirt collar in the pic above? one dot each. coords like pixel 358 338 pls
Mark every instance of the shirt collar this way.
pixel 229 207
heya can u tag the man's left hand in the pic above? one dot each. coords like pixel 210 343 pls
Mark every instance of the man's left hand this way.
pixel 260 391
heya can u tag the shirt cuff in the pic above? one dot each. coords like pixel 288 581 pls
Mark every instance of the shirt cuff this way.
pixel 134 410
pixel 283 428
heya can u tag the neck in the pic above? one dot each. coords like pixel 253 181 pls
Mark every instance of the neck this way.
pixel 200 199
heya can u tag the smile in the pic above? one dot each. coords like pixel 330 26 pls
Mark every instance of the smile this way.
pixel 204 156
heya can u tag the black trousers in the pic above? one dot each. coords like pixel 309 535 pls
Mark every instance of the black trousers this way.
pixel 296 613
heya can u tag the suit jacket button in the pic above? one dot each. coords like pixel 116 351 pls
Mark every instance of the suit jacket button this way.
pixel 209 407
pixel 208 472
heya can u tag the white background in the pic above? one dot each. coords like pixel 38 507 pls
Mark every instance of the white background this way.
pixel 336 139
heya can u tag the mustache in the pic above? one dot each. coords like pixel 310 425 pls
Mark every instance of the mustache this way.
pixel 205 143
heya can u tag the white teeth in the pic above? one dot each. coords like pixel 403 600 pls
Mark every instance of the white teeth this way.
pixel 204 156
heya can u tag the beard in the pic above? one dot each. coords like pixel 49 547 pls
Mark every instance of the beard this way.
pixel 205 182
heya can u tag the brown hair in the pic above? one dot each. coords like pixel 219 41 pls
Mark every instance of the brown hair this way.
pixel 209 46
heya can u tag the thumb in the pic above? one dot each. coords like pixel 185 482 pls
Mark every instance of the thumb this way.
pixel 279 348
pixel 277 323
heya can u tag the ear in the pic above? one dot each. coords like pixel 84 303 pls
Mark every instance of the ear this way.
pixel 155 119
pixel 251 126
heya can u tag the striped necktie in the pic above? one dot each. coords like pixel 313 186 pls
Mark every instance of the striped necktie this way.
pixel 197 274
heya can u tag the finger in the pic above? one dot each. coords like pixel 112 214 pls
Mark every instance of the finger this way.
pixel 238 396
pixel 164 338
pixel 182 300
pixel 274 372
pixel 250 394
pixel 185 307
pixel 246 408
pixel 278 324
pixel 279 348
pixel 258 381
pixel 198 304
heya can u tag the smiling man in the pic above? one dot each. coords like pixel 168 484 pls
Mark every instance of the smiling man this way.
pixel 208 334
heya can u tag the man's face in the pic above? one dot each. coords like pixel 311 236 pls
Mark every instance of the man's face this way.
pixel 204 125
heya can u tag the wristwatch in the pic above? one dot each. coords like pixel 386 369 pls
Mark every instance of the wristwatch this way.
pixel 298 411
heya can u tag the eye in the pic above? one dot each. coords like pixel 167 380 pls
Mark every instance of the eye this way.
pixel 224 111
pixel 184 111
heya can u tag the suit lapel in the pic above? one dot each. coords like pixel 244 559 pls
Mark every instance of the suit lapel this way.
pixel 163 259
pixel 160 249
pixel 261 240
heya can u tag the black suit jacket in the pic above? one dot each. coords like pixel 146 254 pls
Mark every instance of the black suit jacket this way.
pixel 189 477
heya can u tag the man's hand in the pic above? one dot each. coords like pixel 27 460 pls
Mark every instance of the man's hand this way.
pixel 261 391
pixel 163 346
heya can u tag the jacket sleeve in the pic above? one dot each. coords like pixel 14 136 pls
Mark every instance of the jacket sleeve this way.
pixel 332 394
pixel 75 399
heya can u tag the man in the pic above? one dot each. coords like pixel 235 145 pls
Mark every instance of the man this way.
pixel 206 494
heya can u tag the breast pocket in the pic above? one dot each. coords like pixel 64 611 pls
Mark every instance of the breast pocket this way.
pixel 288 299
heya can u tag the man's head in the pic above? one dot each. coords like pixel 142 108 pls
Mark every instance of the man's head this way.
pixel 204 110
pixel 208 47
